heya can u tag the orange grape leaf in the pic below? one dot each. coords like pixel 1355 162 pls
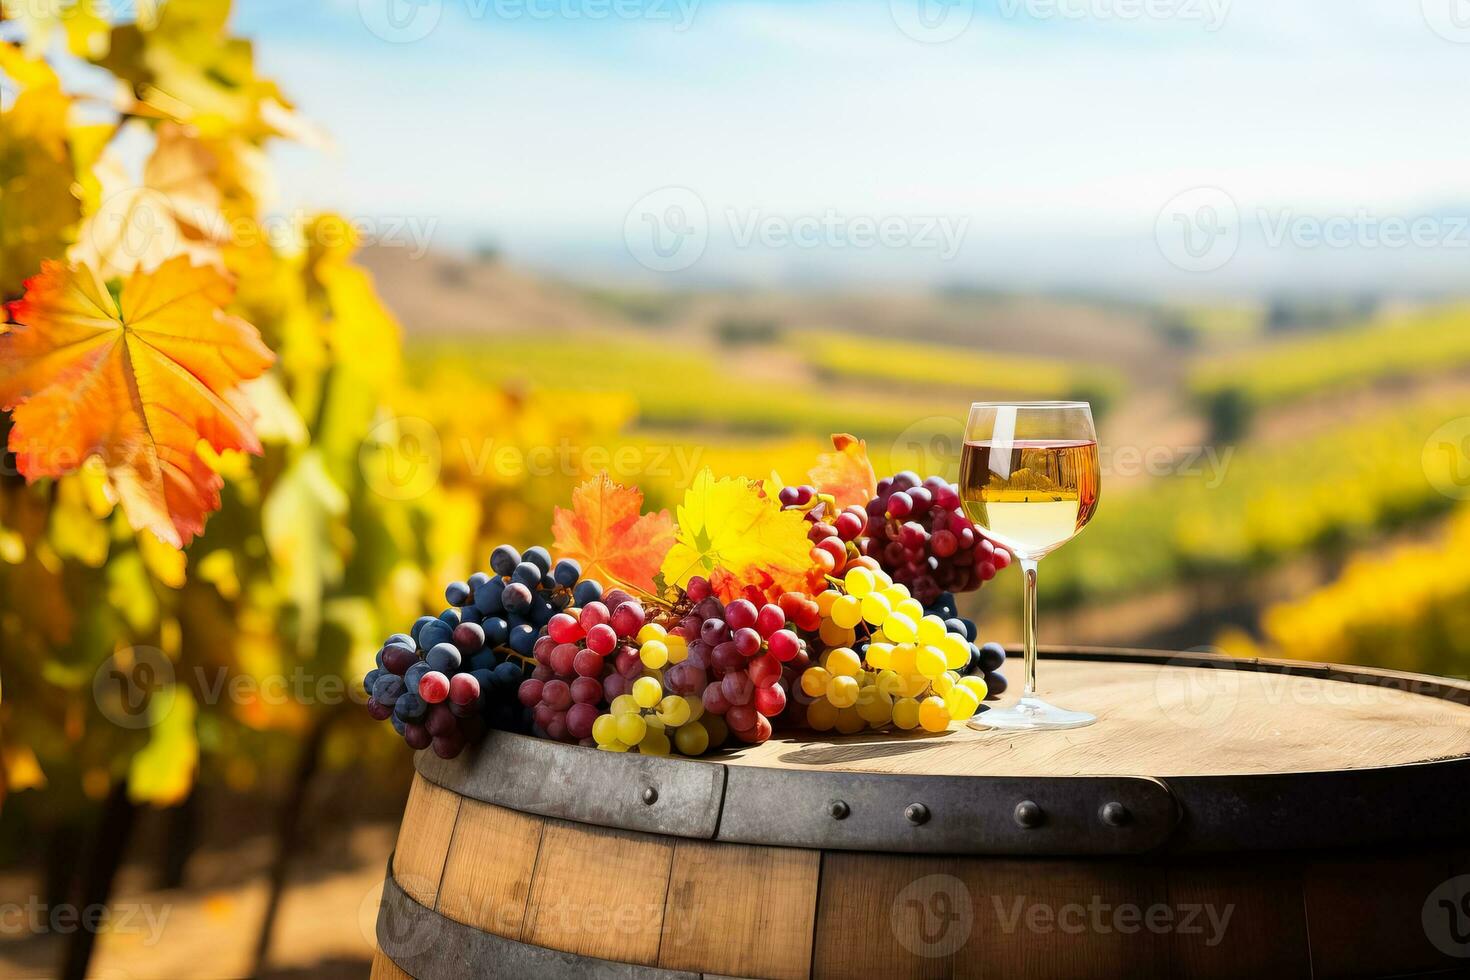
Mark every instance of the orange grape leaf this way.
pixel 608 535
pixel 736 536
pixel 846 474
pixel 138 379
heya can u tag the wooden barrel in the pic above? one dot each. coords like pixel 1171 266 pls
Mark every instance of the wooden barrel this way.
pixel 1224 818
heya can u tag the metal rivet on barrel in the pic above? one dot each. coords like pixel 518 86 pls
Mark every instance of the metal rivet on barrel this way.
pixel 839 809
pixel 1029 815
pixel 1115 814
pixel 650 795
pixel 916 814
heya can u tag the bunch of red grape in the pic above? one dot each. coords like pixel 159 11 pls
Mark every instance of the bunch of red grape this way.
pixel 919 534
pixel 587 655
pixel 834 534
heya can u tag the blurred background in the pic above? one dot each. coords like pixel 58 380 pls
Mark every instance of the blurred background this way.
pixel 498 245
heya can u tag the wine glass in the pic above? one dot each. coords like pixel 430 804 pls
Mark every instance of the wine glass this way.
pixel 1029 477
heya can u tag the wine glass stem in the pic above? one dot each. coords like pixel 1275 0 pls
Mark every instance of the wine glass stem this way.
pixel 1028 623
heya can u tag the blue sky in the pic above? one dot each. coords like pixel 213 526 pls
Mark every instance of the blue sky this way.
pixel 1055 131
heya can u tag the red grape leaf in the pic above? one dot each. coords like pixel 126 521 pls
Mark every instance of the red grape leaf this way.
pixel 138 379
pixel 607 533
pixel 846 474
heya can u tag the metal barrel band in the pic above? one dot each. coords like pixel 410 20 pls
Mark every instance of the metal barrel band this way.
pixel 1020 816
pixel 428 946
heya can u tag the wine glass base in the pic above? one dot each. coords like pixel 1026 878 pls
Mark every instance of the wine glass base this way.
pixel 1031 714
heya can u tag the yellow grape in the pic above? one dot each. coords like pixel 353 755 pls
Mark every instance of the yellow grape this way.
pixel 956 651
pixel 933 715
pixel 882 580
pixel 859 581
pixel 896 593
pixel 906 713
pixel 623 704
pixel 814 682
pixel 876 608
pixel 842 662
pixel 905 657
pixel 834 635
pixel 930 662
pixel 678 648
pixel 849 722
pixel 821 715
pixel 890 682
pixel 674 711
pixel 915 685
pixel 874 707
pixel 613 747
pixel 847 612
pixel 977 686
pixel 654 723
pixel 692 739
pixel 651 631
pixel 900 628
pixel 654 653
pixel 825 601
pixel 654 743
pixel 843 692
pixel 647 692
pixel 696 706
pixel 931 630
pixel 943 683
pixel 912 609
pixel 960 703
pixel 879 655
pixel 605 730
pixel 631 728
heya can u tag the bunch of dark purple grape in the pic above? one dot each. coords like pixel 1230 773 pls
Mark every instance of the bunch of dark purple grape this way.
pixel 453 674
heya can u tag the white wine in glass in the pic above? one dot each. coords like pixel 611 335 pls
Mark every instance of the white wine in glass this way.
pixel 1029 477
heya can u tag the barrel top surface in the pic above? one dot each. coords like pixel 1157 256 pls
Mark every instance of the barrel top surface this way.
pixel 1161 719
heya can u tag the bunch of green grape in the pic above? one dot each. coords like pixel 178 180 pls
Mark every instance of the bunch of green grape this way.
pixel 886 662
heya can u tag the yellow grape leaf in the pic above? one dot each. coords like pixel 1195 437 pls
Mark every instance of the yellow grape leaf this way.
pixel 846 473
pixel 162 772
pixel 175 210
pixel 729 526
pixel 140 379
pixel 37 207
pixel 607 533
pixel 300 521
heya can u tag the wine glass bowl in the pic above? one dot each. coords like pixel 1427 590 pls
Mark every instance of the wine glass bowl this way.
pixel 1029 477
